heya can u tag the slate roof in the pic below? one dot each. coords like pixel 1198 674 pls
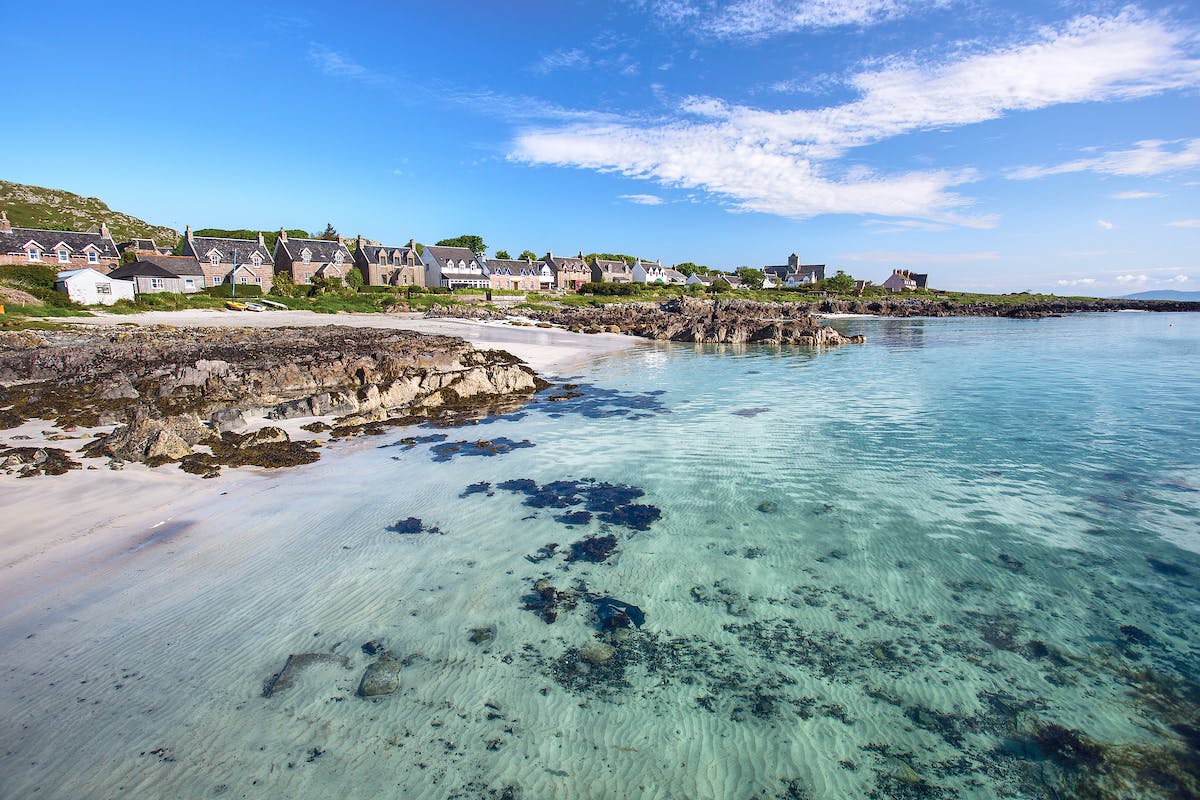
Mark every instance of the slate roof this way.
pixel 920 279
pixel 608 266
pixel 321 249
pixel 570 263
pixel 442 254
pixel 13 243
pixel 674 275
pixel 138 244
pixel 372 251
pixel 244 248
pixel 506 266
pixel 160 267
pixel 781 271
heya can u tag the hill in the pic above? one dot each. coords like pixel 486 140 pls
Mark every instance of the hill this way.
pixel 55 209
pixel 1164 294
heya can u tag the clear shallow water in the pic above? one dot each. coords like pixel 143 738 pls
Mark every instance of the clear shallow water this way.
pixel 959 561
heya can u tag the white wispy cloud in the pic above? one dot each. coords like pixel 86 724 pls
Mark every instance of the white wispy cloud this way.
pixel 338 65
pixel 786 162
pixel 1103 223
pixel 1077 282
pixel 1185 223
pixel 643 199
pixel 555 60
pixel 1178 279
pixel 762 18
pixel 1149 157
pixel 1136 195
pixel 1132 278
pixel 917 258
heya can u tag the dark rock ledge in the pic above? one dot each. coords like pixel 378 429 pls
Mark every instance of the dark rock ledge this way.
pixel 175 389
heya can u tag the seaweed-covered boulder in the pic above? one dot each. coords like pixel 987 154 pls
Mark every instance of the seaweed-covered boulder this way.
pixel 381 677
pixel 151 439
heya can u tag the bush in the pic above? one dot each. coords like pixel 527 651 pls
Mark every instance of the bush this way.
pixel 354 279
pixel 226 290
pixel 283 285
pixel 438 290
pixel 612 289
pixel 380 289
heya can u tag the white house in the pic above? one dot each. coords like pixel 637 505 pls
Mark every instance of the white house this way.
pixel 649 272
pixel 89 287
pixel 454 268
pixel 696 279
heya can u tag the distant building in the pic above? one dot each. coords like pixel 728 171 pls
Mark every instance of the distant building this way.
pixel 734 281
pixel 142 247
pixel 696 279
pixel 793 273
pixel 155 273
pixel 383 265
pixel 861 286
pixel 517 275
pixel 64 249
pixel 569 273
pixel 305 259
pixel 610 271
pixel 90 287
pixel 905 280
pixel 218 256
pixel 454 268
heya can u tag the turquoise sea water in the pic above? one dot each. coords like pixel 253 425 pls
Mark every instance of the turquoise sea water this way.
pixel 961 560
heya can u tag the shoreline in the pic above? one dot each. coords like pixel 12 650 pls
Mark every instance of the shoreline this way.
pixel 543 349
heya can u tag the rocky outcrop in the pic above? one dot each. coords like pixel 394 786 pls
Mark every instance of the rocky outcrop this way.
pixel 176 388
pixel 686 319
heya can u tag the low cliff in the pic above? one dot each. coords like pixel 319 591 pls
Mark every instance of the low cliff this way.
pixel 168 382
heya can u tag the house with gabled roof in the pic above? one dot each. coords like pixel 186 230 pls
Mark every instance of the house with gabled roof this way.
pixel 569 273
pixel 384 265
pixel 305 259
pixel 525 276
pixel 155 273
pixel 453 268
pixel 905 280
pixel 649 272
pixel 793 273
pixel 611 271
pixel 225 260
pixel 66 250
pixel 697 279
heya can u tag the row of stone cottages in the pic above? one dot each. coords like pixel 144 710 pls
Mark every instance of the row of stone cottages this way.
pixel 211 261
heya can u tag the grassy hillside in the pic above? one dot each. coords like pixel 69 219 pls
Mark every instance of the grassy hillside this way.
pixel 39 207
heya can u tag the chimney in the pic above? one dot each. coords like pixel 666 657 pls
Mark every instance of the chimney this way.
pixel 5 225
pixel 261 242
pixel 187 232
pixel 412 244
pixel 358 242
pixel 549 255
pixel 340 240
pixel 282 235
pixel 104 231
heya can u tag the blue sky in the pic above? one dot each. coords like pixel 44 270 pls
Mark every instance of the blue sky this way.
pixel 998 146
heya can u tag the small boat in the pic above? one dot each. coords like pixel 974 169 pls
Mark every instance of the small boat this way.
pixel 273 304
pixel 255 307
pixel 234 305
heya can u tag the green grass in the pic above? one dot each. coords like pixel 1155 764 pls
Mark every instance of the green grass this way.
pixel 56 209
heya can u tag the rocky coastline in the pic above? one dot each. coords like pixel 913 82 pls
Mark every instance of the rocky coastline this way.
pixel 686 319
pixel 182 395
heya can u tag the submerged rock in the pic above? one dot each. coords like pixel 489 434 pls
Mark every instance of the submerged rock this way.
pixel 381 677
pixel 294 665
pixel 597 652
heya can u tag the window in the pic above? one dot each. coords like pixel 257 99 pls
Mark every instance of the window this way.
pixel 103 288
pixel 214 259
pixel 157 283
pixel 337 258
pixel 306 256
pixel 63 256
pixel 257 279
pixel 188 282
pixel 93 257
pixel 257 259
pixel 217 279
pixel 243 279
pixel 35 254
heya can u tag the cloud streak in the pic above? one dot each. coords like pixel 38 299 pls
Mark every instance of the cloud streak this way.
pixel 1145 158
pixel 763 18
pixel 786 163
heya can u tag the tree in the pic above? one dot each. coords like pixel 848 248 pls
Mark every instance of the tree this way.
pixel 283 285
pixel 330 233
pixel 468 240
pixel 129 256
pixel 503 254
pixel 354 279
pixel 529 255
pixel 841 283
pixel 753 277
pixel 688 268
